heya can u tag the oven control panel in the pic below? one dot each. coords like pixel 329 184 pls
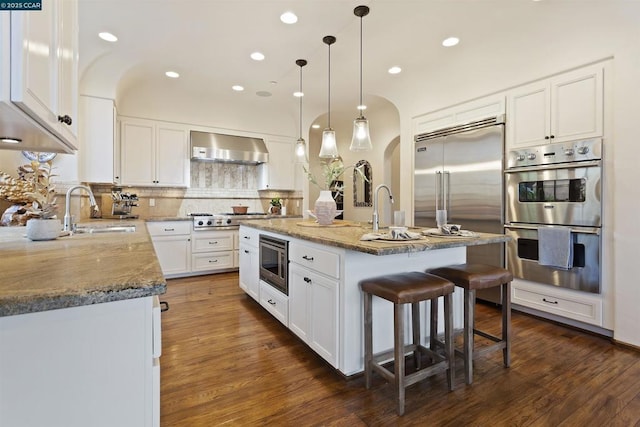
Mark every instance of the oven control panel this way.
pixel 549 154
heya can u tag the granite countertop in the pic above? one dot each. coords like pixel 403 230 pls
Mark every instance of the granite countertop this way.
pixel 348 237
pixel 188 218
pixel 76 270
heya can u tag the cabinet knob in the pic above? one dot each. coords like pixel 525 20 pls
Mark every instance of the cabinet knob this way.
pixel 65 119
pixel 306 279
pixel 553 136
pixel 546 137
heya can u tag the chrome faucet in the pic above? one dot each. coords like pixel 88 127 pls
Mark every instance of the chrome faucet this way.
pixel 376 217
pixel 68 221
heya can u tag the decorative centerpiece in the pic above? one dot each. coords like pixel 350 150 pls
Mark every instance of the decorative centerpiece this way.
pixel 325 209
pixel 33 195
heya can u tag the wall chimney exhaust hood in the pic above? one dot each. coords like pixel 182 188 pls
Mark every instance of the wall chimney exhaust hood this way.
pixel 217 147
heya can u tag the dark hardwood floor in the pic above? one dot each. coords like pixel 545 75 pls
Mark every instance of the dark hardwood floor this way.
pixel 226 361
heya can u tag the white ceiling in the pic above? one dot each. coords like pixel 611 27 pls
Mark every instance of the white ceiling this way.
pixel 209 41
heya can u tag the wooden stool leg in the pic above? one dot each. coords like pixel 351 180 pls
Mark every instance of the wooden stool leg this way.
pixel 433 325
pixel 506 323
pixel 368 339
pixel 469 306
pixel 398 333
pixel 448 332
pixel 415 329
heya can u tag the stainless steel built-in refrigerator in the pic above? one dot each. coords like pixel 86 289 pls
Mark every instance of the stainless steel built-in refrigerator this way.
pixel 462 169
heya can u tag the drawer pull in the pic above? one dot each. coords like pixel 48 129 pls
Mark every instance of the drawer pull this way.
pixel 169 229
pixel 246 251
pixel 270 301
pixel 215 242
pixel 308 258
pixel 306 279
pixel 164 306
pixel 212 261
pixel 548 301
pixel 247 237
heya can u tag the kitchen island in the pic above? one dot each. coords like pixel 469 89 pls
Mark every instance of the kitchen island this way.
pixel 324 302
pixel 80 329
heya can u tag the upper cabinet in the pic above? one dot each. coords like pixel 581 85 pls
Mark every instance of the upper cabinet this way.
pixel 97 136
pixel 478 109
pixel 44 66
pixel 153 153
pixel 278 173
pixel 562 108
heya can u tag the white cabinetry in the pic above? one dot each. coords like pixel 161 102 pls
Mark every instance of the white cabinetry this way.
pixel 97 137
pixel 562 108
pixel 313 298
pixel 275 302
pixel 213 251
pixel 154 153
pixel 44 66
pixel 570 304
pixel 278 173
pixel 172 243
pixel 470 111
pixel 70 363
pixel 248 259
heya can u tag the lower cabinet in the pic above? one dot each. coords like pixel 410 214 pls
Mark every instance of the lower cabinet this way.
pixel 275 302
pixel 183 252
pixel 313 310
pixel 249 270
pixel 65 367
pixel 213 250
pixel 172 242
pixel 567 303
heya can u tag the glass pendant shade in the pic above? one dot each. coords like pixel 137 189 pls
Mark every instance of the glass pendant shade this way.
pixel 361 140
pixel 329 147
pixel 301 148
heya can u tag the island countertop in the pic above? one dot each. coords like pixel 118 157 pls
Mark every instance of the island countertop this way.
pixel 348 237
pixel 76 270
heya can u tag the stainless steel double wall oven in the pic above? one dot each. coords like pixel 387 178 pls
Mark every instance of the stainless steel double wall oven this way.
pixel 556 185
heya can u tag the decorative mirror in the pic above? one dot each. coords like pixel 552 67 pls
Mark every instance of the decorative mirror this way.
pixel 362 188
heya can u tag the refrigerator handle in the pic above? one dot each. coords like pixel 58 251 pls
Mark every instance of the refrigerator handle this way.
pixel 438 188
pixel 445 192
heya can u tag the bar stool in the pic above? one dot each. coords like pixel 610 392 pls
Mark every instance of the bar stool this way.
pixel 401 289
pixel 472 277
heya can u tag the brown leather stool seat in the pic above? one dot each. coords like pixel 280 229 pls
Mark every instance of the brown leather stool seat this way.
pixel 472 277
pixel 401 289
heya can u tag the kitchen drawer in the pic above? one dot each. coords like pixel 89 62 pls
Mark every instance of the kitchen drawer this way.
pixel 203 241
pixel 571 304
pixel 212 261
pixel 322 261
pixel 168 228
pixel 275 302
pixel 249 236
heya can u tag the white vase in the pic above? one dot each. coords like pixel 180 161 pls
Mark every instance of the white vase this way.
pixel 325 208
pixel 43 229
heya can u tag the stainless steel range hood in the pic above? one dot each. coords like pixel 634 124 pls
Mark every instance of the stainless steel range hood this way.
pixel 217 147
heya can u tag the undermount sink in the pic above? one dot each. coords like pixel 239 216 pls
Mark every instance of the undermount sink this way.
pixel 93 229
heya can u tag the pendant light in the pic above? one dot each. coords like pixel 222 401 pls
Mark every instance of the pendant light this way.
pixel 329 147
pixel 361 140
pixel 301 146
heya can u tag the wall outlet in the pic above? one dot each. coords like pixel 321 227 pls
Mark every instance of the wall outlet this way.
pixel 152 202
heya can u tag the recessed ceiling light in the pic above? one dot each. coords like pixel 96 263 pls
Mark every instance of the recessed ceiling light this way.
pixel 298 94
pixel 395 70
pixel 257 56
pixel 451 41
pixel 289 18
pixel 107 37
pixel 316 126
pixel 237 88
pixel 10 140
pixel 172 74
